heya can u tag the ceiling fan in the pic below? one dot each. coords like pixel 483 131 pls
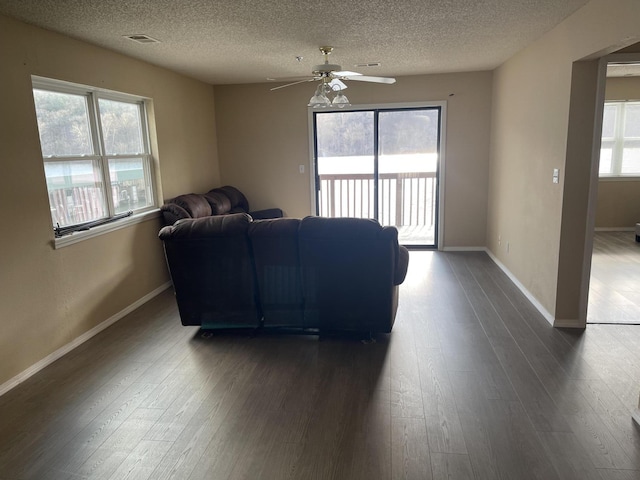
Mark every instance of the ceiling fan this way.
pixel 331 75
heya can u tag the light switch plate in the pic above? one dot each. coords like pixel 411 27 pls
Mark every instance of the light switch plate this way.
pixel 556 175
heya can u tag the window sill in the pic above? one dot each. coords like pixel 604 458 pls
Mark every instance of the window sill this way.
pixel 619 178
pixel 106 228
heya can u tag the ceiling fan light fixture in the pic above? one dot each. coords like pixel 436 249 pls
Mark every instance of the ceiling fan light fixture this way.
pixel 331 76
pixel 340 100
pixel 319 99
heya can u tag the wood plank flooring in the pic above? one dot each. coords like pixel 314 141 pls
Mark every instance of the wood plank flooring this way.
pixel 614 291
pixel 471 384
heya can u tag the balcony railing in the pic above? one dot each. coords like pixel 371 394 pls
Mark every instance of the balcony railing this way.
pixel 79 204
pixel 404 199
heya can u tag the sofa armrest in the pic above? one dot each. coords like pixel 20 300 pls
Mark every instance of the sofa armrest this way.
pixel 402 265
pixel 266 214
pixel 401 257
pixel 172 212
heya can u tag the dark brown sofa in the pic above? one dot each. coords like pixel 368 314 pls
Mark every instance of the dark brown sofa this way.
pixel 217 201
pixel 318 274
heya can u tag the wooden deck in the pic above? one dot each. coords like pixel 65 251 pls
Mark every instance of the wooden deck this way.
pixel 416 235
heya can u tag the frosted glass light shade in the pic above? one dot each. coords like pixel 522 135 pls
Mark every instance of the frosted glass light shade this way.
pixel 319 99
pixel 340 100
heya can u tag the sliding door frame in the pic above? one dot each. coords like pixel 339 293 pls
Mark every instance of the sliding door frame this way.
pixel 440 175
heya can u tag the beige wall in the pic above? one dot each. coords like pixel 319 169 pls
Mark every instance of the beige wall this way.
pixel 50 297
pixel 618 204
pixel 263 137
pixel 619 201
pixel 530 137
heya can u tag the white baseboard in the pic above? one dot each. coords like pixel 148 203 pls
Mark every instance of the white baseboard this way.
pixel 543 311
pixel 49 359
pixel 615 229
pixel 464 249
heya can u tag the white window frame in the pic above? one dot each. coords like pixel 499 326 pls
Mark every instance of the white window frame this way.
pixel 617 143
pixel 93 95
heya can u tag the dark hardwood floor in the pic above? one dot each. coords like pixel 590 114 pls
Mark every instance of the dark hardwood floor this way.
pixel 614 291
pixel 471 384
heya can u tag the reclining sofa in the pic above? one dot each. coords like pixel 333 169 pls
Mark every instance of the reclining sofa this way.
pixel 319 274
pixel 217 201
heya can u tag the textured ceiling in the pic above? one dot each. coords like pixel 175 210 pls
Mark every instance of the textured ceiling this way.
pixel 246 41
pixel 628 70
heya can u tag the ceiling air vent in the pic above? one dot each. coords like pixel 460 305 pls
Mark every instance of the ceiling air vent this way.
pixel 141 38
pixel 370 64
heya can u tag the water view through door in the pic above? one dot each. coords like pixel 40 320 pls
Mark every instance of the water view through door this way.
pixel 380 164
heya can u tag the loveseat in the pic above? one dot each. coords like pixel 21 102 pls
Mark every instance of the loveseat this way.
pixel 318 274
pixel 217 201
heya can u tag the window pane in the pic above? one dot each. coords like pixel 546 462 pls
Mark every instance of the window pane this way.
pixel 344 134
pixel 408 131
pixel 605 161
pixel 63 123
pixel 121 127
pixel 408 140
pixel 129 186
pixel 408 161
pixel 632 120
pixel 75 192
pixel 345 164
pixel 609 120
pixel 630 161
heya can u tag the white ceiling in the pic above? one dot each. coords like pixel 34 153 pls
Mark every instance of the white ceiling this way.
pixel 247 41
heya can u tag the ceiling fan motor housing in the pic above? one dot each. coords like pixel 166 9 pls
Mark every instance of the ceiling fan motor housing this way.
pixel 325 69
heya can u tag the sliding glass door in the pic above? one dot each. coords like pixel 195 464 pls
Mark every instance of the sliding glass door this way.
pixel 382 164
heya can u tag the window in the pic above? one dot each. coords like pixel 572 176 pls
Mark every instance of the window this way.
pixel 620 148
pixel 95 148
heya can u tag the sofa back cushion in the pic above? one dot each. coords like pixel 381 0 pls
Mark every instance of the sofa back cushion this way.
pixel 348 269
pixel 275 252
pixel 237 201
pixel 194 204
pixel 211 266
pixel 218 201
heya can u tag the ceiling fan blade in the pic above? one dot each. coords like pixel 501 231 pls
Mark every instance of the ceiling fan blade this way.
pixel 337 85
pixel 294 83
pixel 346 73
pixel 366 78
pixel 287 79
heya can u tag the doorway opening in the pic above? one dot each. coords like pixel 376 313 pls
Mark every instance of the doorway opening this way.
pixel 614 285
